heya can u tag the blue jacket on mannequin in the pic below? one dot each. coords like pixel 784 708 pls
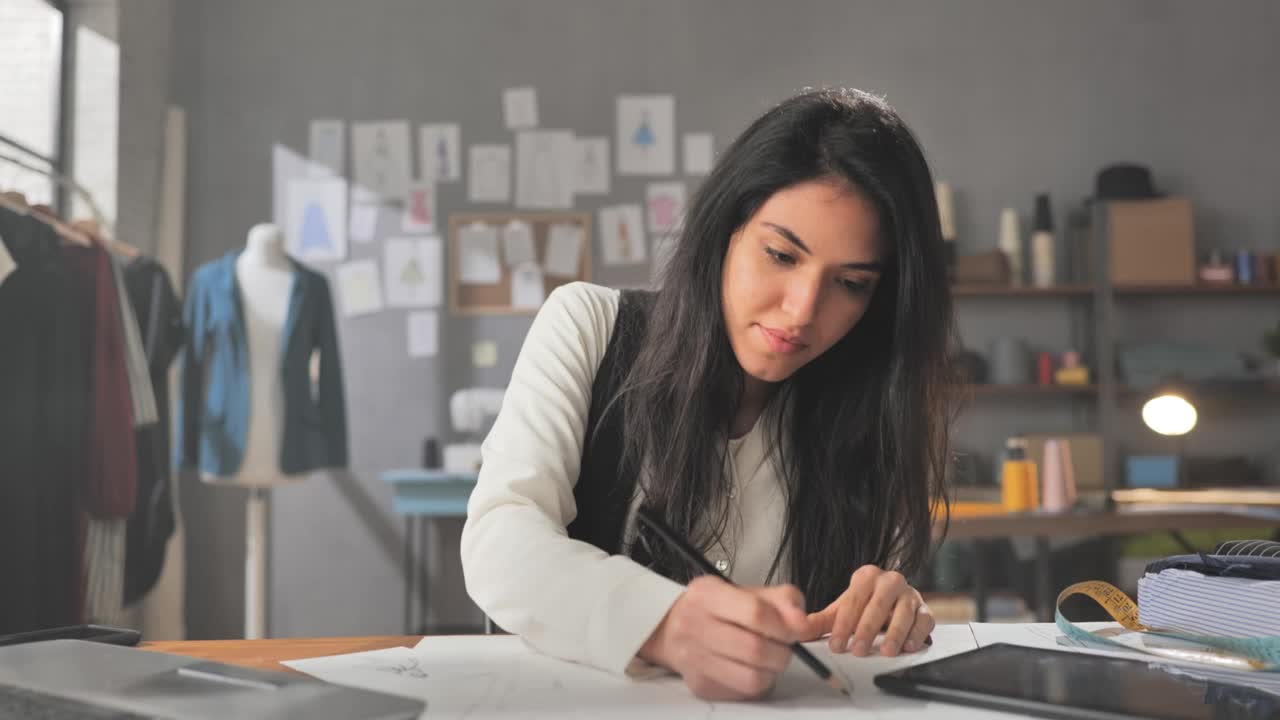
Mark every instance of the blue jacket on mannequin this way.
pixel 213 405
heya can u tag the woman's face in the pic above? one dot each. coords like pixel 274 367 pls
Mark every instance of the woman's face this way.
pixel 799 275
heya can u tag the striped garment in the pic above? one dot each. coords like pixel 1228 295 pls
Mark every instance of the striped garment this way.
pixel 1189 602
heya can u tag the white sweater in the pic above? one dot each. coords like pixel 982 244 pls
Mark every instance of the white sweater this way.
pixel 565 597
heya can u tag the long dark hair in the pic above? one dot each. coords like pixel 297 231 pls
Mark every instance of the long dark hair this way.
pixel 862 430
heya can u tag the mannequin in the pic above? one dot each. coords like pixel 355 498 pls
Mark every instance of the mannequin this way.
pixel 265 280
pixel 262 399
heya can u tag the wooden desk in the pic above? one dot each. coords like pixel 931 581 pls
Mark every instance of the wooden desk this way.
pixel 1124 520
pixel 267 654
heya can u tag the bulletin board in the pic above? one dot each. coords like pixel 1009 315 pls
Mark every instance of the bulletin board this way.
pixel 495 298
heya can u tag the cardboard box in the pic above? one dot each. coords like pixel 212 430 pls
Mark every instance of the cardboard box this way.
pixel 1152 242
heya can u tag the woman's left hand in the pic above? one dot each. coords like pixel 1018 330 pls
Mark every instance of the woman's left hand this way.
pixel 875 598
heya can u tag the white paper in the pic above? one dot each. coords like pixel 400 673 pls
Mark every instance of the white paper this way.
pixel 286 167
pixel 380 155
pixel 591 165
pixel 423 333
pixel 564 250
pixel 364 222
pixel 484 354
pixel 664 204
pixel 415 271
pixel 520 108
pixel 544 169
pixel 489 173
pixel 419 208
pixel 440 152
pixel 316 219
pixel 646 134
pixel 517 243
pixel 501 677
pixel 327 147
pixel 698 153
pixel 478 255
pixel 527 287
pixel 622 239
pixel 359 289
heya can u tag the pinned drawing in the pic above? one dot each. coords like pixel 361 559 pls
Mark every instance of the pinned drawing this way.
pixel 364 222
pixel 359 288
pixel 520 108
pixel 591 165
pixel 622 235
pixel 544 169
pixel 316 219
pixel 564 250
pixel 327 149
pixel 489 173
pixel 420 208
pixel 478 255
pixel 381 159
pixel 698 153
pixel 665 204
pixel 646 134
pixel 423 330
pixel 439 152
pixel 517 243
pixel 414 272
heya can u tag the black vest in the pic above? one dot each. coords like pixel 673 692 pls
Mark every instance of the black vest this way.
pixel 605 488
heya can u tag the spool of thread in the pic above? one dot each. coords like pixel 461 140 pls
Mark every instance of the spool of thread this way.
pixel 1010 242
pixel 1010 361
pixel 1068 471
pixel 1044 368
pixel 1017 477
pixel 947 220
pixel 1055 483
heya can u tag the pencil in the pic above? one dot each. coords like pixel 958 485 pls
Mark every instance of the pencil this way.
pixel 695 557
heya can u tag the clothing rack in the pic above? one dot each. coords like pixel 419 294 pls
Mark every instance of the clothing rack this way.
pixel 82 232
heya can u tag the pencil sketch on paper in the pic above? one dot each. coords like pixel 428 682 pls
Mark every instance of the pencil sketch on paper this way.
pixel 408 668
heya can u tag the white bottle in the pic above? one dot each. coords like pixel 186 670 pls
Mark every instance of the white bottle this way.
pixel 1011 243
pixel 1043 270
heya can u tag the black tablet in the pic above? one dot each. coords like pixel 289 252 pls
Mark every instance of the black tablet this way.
pixel 1060 684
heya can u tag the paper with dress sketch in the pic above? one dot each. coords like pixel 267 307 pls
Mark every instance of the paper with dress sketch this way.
pixel 564 250
pixel 591 165
pixel 359 288
pixel 517 243
pixel 489 173
pixel 698 153
pixel 527 289
pixel 478 255
pixel 440 152
pixel 414 271
pixel 622 238
pixel 316 219
pixel 520 108
pixel 327 147
pixel 364 222
pixel 544 169
pixel 500 676
pixel 380 159
pixel 419 208
pixel 423 332
pixel 286 167
pixel 664 203
pixel 646 135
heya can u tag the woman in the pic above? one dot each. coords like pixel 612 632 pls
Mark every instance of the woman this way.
pixel 782 401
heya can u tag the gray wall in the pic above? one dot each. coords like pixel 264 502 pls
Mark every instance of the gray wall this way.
pixel 1008 97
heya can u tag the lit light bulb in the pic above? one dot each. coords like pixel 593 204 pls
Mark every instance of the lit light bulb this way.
pixel 1169 415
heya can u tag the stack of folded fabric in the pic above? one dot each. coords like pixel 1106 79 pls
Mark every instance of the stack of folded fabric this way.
pixel 1232 593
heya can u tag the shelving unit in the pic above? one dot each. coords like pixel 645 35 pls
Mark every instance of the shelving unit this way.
pixel 1093 308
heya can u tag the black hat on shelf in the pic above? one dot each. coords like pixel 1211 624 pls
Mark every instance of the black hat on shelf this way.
pixel 1124 181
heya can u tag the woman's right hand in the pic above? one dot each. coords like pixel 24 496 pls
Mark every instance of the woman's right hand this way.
pixel 727 642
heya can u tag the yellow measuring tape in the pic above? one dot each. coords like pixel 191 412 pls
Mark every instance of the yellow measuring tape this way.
pixel 1242 653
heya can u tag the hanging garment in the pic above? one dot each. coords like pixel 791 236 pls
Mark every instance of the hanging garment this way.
pixel 213 418
pixel 44 386
pixel 159 316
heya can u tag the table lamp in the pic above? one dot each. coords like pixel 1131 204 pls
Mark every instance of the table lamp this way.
pixel 1169 411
